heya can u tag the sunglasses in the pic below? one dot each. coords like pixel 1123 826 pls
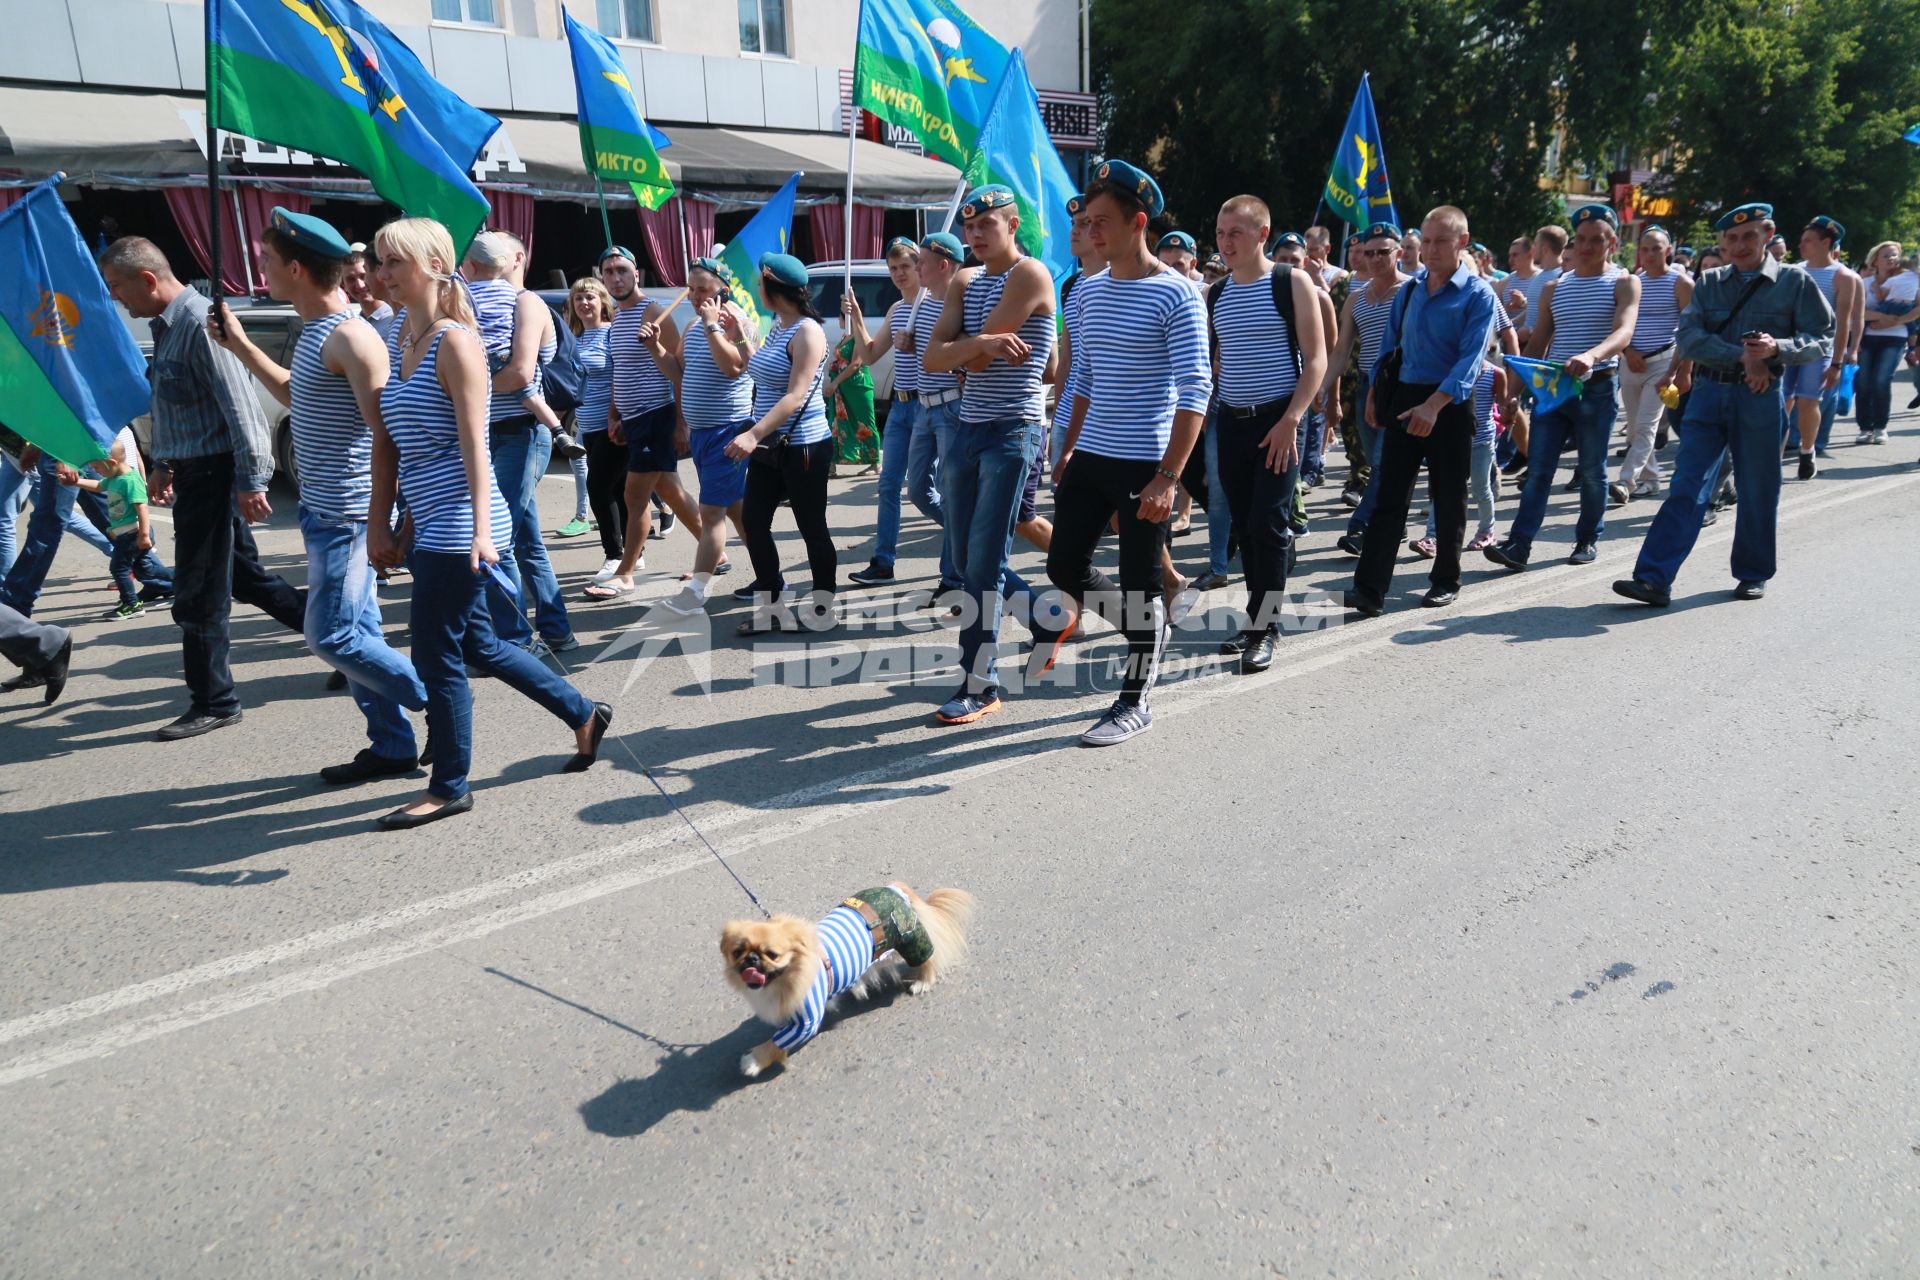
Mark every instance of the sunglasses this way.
pixel 1378 253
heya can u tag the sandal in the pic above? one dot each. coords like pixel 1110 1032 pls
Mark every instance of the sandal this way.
pixel 607 590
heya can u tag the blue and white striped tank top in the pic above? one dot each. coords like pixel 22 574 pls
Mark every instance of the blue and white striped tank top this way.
pixel 1003 390
pixel 395 333
pixel 708 397
pixel 596 379
pixel 847 945
pixel 1145 346
pixel 1256 352
pixel 1533 287
pixel 1483 406
pixel 1659 315
pixel 931 383
pixel 332 448
pixel 906 364
pixel 638 384
pixel 433 478
pixel 1370 324
pixel 1823 278
pixel 1583 315
pixel 771 367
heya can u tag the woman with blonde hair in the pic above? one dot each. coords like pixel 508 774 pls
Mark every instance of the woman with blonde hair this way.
pixel 431 444
pixel 589 315
pixel 1893 303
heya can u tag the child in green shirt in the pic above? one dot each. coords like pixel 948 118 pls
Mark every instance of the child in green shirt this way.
pixel 127 524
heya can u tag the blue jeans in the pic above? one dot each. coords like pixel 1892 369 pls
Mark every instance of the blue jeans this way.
pixel 933 431
pixel 129 562
pixel 1371 438
pixel 1827 403
pixel 520 457
pixel 1219 518
pixel 1313 447
pixel 343 630
pixel 1587 423
pixel 983 473
pixel 1720 418
pixel 53 514
pixel 452 629
pixel 15 485
pixel 907 456
pixel 1873 385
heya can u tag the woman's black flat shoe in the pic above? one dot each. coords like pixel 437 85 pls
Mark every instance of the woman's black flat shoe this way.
pixel 401 820
pixel 583 760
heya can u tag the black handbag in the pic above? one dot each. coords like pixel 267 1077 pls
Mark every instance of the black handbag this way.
pixel 1386 383
pixel 771 453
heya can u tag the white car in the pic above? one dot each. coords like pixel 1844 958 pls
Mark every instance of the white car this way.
pixel 874 288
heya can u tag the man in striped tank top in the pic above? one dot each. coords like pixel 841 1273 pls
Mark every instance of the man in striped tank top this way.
pixel 1810 393
pixel 1141 383
pixel 1652 364
pixel 333 390
pixel 1586 321
pixel 1269 373
pixel 998 325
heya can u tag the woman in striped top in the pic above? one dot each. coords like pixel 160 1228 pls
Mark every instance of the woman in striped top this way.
pixel 1652 363
pixel 788 442
pixel 433 446
pixel 590 315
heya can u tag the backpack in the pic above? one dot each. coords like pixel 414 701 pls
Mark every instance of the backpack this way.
pixel 1282 280
pixel 563 382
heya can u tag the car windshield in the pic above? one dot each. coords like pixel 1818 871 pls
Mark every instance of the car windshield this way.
pixel 875 292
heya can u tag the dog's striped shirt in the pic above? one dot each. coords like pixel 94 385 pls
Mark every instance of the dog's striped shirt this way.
pixel 846 943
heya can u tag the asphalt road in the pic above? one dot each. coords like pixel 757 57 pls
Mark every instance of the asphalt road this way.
pixel 1542 936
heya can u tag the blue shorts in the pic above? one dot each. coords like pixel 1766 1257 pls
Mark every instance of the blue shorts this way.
pixel 650 440
pixel 1802 381
pixel 723 481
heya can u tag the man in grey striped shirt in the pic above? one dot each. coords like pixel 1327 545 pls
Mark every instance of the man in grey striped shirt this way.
pixel 214 461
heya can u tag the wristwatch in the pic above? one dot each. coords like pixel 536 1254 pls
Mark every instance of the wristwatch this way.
pixel 713 326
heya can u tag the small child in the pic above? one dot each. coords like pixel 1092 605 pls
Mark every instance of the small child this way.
pixel 127 526
pixel 494 299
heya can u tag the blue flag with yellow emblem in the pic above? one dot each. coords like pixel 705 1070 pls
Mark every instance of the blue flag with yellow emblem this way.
pixel 770 230
pixel 1357 189
pixel 1014 148
pixel 1551 385
pixel 70 374
pixel 615 139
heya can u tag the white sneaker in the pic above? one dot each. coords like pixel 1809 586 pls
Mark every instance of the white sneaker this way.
pixel 607 570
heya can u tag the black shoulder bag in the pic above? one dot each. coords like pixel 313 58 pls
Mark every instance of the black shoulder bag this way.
pixel 772 452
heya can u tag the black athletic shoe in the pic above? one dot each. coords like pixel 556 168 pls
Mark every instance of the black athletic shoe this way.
pixel 873 575
pixel 366 766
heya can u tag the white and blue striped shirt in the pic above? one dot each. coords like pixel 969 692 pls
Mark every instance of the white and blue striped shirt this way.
pixel 1533 286
pixel 906 364
pixel 493 305
pixel 1070 386
pixel 771 368
pixel 1257 357
pixel 596 379
pixel 1483 407
pixel 1823 278
pixel 433 476
pixel 929 382
pixel 847 944
pixel 1583 315
pixel 332 447
pixel 1001 390
pixel 638 385
pixel 1659 317
pixel 1144 343
pixel 1370 324
pixel 708 397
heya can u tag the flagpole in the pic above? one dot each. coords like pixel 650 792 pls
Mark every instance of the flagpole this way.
pixel 853 132
pixel 953 205
pixel 213 155
pixel 686 240
pixel 606 223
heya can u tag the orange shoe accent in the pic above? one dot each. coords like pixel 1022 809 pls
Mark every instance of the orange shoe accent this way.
pixel 1059 642
pixel 971 716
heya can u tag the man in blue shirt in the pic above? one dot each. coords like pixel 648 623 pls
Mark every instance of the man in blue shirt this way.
pixel 1441 325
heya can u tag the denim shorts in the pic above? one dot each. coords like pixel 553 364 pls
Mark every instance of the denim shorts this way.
pixel 1802 381
pixel 650 440
pixel 723 481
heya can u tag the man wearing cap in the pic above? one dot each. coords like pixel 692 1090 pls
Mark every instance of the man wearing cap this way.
pixel 1177 250
pixel 1745 324
pixel 1290 249
pixel 1319 247
pixel 941 254
pixel 1363 324
pixel 215 460
pixel 1586 321
pixel 1808 392
pixel 1777 248
pixel 333 390
pixel 1141 383
pixel 998 325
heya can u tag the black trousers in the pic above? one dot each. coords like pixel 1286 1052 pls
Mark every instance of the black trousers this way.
pixel 215 564
pixel 800 481
pixel 1261 501
pixel 1447 453
pixel 606 490
pixel 1094 490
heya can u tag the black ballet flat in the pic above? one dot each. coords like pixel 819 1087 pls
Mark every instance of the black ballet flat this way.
pixel 583 760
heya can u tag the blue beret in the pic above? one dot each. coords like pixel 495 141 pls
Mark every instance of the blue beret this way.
pixel 1821 222
pixel 785 268
pixel 1075 205
pixel 1127 177
pixel 1179 240
pixel 1596 213
pixel 1216 263
pixel 1740 217
pixel 901 242
pixel 1477 247
pixel 1379 229
pixel 309 233
pixel 985 200
pixel 713 268
pixel 947 245
pixel 1290 238
pixel 617 251
pixel 1686 249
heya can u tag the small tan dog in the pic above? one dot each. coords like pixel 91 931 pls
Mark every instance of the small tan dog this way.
pixel 789 970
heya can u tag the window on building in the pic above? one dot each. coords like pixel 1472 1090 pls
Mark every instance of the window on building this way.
pixel 481 13
pixel 627 19
pixel 763 28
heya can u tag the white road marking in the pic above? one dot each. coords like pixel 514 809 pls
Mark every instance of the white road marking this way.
pixel 1304 655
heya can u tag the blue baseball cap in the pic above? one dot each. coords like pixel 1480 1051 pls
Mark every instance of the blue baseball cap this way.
pixel 1379 229
pixel 309 232
pixel 1179 240
pixel 1595 213
pixel 985 200
pixel 1824 224
pixel 784 268
pixel 1758 211
pixel 1133 179
pixel 947 245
